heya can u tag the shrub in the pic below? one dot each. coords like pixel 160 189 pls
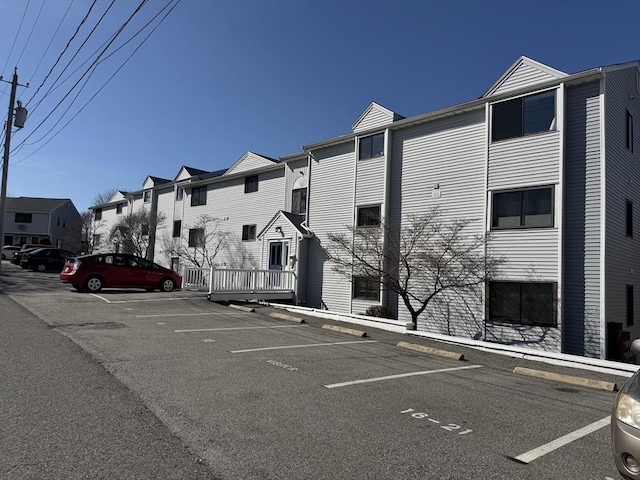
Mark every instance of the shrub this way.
pixel 380 312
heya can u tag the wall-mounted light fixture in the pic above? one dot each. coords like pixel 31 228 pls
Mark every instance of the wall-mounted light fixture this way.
pixel 278 229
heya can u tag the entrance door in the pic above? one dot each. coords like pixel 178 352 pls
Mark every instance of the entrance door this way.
pixel 278 254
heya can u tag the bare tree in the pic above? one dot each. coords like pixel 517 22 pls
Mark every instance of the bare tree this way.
pixel 135 232
pixel 104 196
pixel 420 260
pixel 201 242
pixel 79 237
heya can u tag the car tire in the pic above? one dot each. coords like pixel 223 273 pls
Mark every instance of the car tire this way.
pixel 93 284
pixel 167 285
pixel 41 267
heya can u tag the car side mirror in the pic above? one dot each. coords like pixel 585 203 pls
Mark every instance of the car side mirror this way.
pixel 635 346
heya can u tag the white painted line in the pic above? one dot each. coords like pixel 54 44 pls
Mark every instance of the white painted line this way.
pixel 154 315
pixel 155 299
pixel 234 328
pixel 562 441
pixel 301 346
pixel 401 375
pixel 101 298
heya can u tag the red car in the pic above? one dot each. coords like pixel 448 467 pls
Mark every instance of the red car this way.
pixel 94 272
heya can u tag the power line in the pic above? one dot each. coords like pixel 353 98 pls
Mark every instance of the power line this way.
pixel 85 73
pixel 30 33
pixel 24 14
pixel 110 78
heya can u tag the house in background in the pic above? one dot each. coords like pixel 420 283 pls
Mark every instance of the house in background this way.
pixel 545 161
pixel 36 220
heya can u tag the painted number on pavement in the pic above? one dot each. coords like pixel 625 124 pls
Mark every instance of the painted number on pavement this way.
pixel 450 427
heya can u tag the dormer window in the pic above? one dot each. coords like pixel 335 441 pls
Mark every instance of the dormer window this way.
pixel 371 146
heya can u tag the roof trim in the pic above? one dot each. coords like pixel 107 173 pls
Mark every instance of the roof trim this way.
pixel 523 61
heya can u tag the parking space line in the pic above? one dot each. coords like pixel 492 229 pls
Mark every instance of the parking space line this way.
pixel 531 455
pixel 154 315
pixel 400 375
pixel 234 328
pixel 156 299
pixel 302 346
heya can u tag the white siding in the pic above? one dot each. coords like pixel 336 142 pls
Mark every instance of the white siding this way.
pixel 370 181
pixel 249 161
pixel 582 219
pixel 622 254
pixel 164 231
pixel 525 161
pixel 523 76
pixel 375 117
pixel 531 254
pixel 330 209
pixel 294 170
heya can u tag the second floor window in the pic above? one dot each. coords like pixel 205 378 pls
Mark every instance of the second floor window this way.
pixel 523 208
pixel 23 217
pixel 524 116
pixel 196 237
pixel 248 233
pixel 177 226
pixel 251 184
pixel 199 196
pixel 371 146
pixel 299 201
pixel 369 216
pixel 147 196
pixel 97 214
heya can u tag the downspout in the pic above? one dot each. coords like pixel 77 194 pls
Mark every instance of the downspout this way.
pixel 559 195
pixel 354 220
pixel 386 207
pixel 487 210
pixel 603 219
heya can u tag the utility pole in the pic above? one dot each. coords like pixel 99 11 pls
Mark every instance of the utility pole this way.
pixel 22 112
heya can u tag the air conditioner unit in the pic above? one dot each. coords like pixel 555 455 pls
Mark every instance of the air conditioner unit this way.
pixel 22 227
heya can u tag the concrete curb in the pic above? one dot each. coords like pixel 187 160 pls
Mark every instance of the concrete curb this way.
pixel 240 307
pixel 579 381
pixel 430 351
pixel 284 316
pixel 348 331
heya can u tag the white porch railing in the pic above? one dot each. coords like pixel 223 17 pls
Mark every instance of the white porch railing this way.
pixel 238 283
pixel 196 278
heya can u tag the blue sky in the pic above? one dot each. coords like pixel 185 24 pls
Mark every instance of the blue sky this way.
pixel 219 78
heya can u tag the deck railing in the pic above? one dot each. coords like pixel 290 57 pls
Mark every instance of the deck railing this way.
pixel 196 278
pixel 241 280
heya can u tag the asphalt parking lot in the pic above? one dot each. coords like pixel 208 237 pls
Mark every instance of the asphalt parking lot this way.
pixel 260 397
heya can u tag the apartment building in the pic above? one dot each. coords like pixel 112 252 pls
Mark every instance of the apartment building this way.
pixel 546 162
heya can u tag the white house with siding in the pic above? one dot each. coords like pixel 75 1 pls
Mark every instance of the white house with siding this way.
pixel 545 161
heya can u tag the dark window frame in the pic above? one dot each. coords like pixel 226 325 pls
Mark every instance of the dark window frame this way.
pixel 366 288
pixel 370 146
pixel 299 201
pixel 251 183
pixel 177 229
pixel 629 304
pixel 21 217
pixel 198 196
pixel 249 232
pixel 368 216
pixel 146 196
pixel 629 218
pixel 196 237
pixel 514 118
pixel 97 214
pixel 179 194
pixel 493 303
pixel 523 192
pixel 119 209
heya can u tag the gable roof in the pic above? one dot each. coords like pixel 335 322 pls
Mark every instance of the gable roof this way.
pixel 187 172
pixel 523 72
pixel 374 115
pixel 152 181
pixel 118 196
pixel 296 222
pixel 34 205
pixel 249 161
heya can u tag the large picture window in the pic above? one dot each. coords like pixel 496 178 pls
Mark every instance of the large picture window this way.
pixel 523 208
pixel 199 196
pixel 369 216
pixel 366 288
pixel 371 146
pixel 25 217
pixel 523 303
pixel 524 116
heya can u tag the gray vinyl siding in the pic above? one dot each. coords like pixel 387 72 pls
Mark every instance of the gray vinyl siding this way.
pixel 524 161
pixel 449 153
pixel 523 76
pixel 531 254
pixel 582 219
pixel 330 210
pixel 370 181
pixel 375 118
pixel 164 231
pixel 622 255
pixel 250 162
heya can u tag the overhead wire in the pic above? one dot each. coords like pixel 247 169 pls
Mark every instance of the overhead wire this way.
pixel 109 79
pixel 142 3
pixel 24 14
pixel 30 33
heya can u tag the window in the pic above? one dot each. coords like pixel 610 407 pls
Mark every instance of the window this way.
pixel 629 296
pixel 366 288
pixel 629 136
pixel 198 196
pixel 23 217
pixel 524 116
pixel 179 194
pixel 369 216
pixel 251 184
pixel 58 223
pixel 119 209
pixel 523 303
pixel 248 233
pixel 8 240
pixel 177 226
pixel 146 196
pixel 629 218
pixel 299 201
pixel 371 146
pixel 144 229
pixel 97 214
pixel 35 239
pixel 196 237
pixel 523 208
pixel 96 240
